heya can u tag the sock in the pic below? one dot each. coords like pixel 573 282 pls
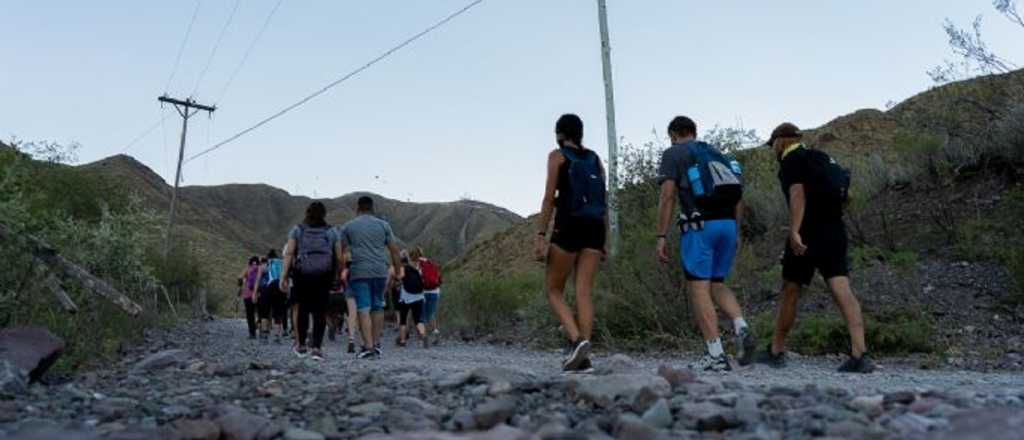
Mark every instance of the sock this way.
pixel 714 347
pixel 739 323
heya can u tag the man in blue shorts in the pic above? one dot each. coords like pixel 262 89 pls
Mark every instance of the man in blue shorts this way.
pixel 371 243
pixel 711 211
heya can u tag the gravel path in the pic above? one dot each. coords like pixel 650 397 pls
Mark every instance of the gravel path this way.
pixel 205 380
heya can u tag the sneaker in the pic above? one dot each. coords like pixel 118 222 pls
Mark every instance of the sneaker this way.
pixel 774 360
pixel 400 343
pixel 378 351
pixel 436 332
pixel 299 351
pixel 426 341
pixel 578 353
pixel 861 365
pixel 745 346
pixel 585 367
pixel 712 363
pixel 351 346
pixel 317 355
pixel 366 353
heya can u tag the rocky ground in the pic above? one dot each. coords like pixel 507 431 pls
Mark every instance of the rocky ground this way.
pixel 206 381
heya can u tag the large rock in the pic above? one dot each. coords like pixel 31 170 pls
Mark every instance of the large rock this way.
pixel 161 360
pixel 986 424
pixel 494 412
pixel 13 379
pixel 604 390
pixel 184 429
pixel 707 416
pixel 238 424
pixel 658 415
pixel 33 349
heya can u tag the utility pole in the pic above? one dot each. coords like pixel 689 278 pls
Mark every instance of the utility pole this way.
pixel 186 109
pixel 613 139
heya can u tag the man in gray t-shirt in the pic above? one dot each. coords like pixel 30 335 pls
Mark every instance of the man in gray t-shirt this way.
pixel 371 242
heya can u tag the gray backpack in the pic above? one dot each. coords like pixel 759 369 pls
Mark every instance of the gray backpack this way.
pixel 315 253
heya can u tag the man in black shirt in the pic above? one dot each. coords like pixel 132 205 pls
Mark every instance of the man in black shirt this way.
pixel 817 242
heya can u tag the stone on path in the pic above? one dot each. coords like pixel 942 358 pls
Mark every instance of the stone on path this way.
pixel 13 379
pixel 676 376
pixel 986 424
pixel 629 427
pixel 370 409
pixel 161 360
pixel 302 434
pixel 707 416
pixel 494 412
pixel 185 429
pixel 658 415
pixel 54 433
pixel 238 424
pixel 617 364
pixel 33 349
pixel 604 390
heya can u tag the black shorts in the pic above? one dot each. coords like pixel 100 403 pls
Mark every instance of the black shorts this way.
pixel 336 304
pixel 826 253
pixel 265 304
pixel 574 235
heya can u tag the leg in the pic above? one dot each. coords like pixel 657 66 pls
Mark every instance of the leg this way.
pixel 319 302
pixel 305 309
pixel 725 298
pixel 787 315
pixel 560 265
pixel 586 269
pixel 417 317
pixel 366 328
pixel 352 317
pixel 250 317
pixel 704 309
pixel 403 316
pixel 377 304
pixel 850 308
pixel 378 326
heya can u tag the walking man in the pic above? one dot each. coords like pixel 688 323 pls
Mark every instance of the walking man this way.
pixel 371 243
pixel 816 190
pixel 710 194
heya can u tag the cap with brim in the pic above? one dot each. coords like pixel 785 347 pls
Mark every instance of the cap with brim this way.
pixel 784 130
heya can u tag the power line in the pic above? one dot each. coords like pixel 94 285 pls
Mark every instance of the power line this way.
pixel 216 46
pixel 181 49
pixel 145 133
pixel 248 50
pixel 351 74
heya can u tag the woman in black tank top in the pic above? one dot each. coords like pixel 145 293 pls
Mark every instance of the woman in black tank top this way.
pixel 577 246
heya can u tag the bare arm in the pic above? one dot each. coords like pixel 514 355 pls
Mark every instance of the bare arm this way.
pixel 396 259
pixel 339 258
pixel 289 258
pixel 547 207
pixel 797 206
pixel 666 205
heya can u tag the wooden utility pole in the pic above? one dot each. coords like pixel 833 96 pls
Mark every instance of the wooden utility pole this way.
pixel 186 109
pixel 613 139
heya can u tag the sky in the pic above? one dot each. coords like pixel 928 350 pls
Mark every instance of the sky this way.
pixel 465 112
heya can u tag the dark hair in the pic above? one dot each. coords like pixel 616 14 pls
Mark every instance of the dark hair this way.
pixel 263 260
pixel 365 204
pixel 570 126
pixel 272 254
pixel 682 126
pixel 254 259
pixel 316 214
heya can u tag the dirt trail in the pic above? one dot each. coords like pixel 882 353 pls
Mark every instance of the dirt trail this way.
pixel 205 380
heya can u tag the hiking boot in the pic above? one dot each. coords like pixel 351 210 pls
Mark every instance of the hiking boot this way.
pixel 712 363
pixel 586 367
pixel 774 360
pixel 746 345
pixel 299 351
pixel 366 353
pixel 317 355
pixel 351 347
pixel 861 365
pixel 578 353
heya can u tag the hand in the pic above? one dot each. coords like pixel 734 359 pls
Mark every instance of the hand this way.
pixel 604 252
pixel 401 272
pixel 796 244
pixel 662 250
pixel 540 248
pixel 283 285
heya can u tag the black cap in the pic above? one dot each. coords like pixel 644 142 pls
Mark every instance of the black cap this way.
pixel 785 130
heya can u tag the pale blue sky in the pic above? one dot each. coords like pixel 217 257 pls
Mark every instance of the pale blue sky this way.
pixel 468 110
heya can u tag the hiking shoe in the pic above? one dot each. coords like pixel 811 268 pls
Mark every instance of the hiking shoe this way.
pixel 426 341
pixel 351 347
pixel 586 367
pixel 578 353
pixel 745 346
pixel 436 332
pixel 299 351
pixel 366 353
pixel 774 360
pixel 861 365
pixel 317 355
pixel 401 343
pixel 712 363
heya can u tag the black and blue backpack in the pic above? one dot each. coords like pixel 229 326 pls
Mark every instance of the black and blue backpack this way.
pixel 587 194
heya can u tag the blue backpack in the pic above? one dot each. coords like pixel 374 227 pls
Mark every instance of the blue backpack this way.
pixel 272 273
pixel 713 177
pixel 586 195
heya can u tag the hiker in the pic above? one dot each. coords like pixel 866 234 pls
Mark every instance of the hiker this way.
pixel 314 252
pixel 709 188
pixel 575 194
pixel 370 241
pixel 816 189
pixel 270 278
pixel 351 318
pixel 262 299
pixel 412 299
pixel 248 280
pixel 432 281
pixel 335 308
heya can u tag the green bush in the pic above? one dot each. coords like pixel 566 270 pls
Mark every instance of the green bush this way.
pixel 895 332
pixel 480 305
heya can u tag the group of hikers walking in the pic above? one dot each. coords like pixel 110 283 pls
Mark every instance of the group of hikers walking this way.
pixel 333 277
pixel 708 186
pixel 362 260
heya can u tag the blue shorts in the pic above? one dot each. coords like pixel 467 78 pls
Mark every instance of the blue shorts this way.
pixel 430 308
pixel 708 254
pixel 368 293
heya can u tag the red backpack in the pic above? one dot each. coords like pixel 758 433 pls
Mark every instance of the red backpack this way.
pixel 431 274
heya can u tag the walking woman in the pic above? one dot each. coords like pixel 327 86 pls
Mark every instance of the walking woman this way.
pixel 248 279
pixel 314 252
pixel 575 195
pixel 412 299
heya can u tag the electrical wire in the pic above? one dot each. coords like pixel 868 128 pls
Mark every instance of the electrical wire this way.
pixel 351 74
pixel 181 49
pixel 145 133
pixel 216 46
pixel 248 51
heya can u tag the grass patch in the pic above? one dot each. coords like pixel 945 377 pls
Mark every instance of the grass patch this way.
pixel 479 305
pixel 896 332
